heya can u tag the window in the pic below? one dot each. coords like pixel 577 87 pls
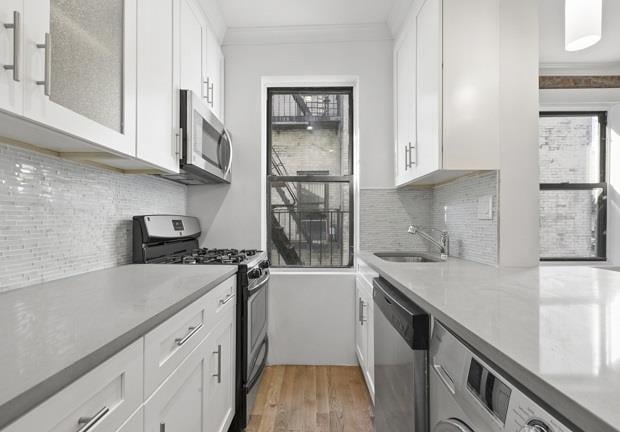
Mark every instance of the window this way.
pixel 310 177
pixel 573 189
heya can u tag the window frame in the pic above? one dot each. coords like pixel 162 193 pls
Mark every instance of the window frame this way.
pixel 601 234
pixel 340 179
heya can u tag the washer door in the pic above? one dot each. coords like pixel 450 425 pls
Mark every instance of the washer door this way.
pixel 452 425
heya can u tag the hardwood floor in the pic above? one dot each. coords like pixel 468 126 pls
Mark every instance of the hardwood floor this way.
pixel 312 399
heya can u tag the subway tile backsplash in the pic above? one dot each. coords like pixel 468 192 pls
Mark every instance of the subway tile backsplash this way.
pixel 60 218
pixel 385 215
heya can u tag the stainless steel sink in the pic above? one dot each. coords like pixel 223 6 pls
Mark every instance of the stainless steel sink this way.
pixel 407 257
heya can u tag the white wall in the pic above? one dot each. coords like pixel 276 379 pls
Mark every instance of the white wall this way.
pixel 518 113
pixel 312 319
pixel 231 214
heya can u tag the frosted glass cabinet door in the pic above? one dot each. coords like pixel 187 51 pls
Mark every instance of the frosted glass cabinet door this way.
pixel 80 68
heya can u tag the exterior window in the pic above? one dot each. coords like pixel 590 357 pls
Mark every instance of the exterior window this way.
pixel 310 177
pixel 573 188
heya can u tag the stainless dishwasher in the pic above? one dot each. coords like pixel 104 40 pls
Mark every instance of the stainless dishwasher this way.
pixel 401 361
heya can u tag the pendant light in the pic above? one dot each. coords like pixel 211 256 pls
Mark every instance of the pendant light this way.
pixel 583 21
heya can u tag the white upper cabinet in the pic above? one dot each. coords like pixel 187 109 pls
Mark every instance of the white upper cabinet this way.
pixel 157 133
pixel 446 63
pixel 11 57
pixel 192 47
pixel 80 69
pixel 214 75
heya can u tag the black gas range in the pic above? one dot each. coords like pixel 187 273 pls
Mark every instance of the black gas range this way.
pixel 173 239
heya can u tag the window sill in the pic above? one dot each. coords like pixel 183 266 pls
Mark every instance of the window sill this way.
pixel 312 271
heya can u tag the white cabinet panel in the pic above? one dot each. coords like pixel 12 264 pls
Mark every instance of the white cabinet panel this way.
pixel 157 132
pixel 105 397
pixel 80 69
pixel 191 46
pixel 364 331
pixel 178 404
pixel 220 387
pixel 214 74
pixel 428 87
pixel 11 56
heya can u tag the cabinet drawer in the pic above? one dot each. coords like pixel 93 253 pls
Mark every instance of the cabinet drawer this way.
pixel 100 401
pixel 167 345
pixel 219 298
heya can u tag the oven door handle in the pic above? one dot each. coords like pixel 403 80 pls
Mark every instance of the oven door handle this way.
pixel 263 364
pixel 258 286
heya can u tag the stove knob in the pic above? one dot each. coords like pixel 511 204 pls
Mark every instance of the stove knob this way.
pixel 264 265
pixel 535 425
pixel 254 274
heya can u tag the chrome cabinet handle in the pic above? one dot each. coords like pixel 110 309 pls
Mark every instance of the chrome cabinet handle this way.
pixel 211 89
pixel 413 148
pixel 364 306
pixel 47 46
pixel 191 331
pixel 206 96
pixel 88 422
pixel 219 364
pixel 17 42
pixel 360 310
pixel 226 299
pixel 178 142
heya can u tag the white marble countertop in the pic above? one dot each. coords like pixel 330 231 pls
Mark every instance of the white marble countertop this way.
pixel 53 333
pixel 555 329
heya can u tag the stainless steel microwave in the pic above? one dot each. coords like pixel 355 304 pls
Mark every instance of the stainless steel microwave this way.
pixel 206 154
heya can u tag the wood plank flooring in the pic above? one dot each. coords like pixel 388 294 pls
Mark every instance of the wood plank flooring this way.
pixel 312 399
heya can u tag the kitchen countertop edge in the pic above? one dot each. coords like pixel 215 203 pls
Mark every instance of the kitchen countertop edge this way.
pixel 564 408
pixel 34 396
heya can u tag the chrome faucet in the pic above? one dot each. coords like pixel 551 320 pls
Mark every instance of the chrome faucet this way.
pixel 443 243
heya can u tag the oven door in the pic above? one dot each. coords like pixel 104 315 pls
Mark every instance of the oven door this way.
pixel 256 325
pixel 207 143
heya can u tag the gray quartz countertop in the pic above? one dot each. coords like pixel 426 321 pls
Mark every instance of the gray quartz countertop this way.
pixel 55 332
pixel 554 329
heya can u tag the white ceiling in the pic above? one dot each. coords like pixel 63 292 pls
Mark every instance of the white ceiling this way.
pixel 267 13
pixel 552 36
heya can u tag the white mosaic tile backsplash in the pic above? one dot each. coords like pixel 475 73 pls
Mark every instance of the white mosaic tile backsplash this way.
pixel 455 209
pixel 385 215
pixel 60 218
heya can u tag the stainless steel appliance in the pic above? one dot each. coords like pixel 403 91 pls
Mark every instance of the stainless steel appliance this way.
pixel 401 361
pixel 206 150
pixel 171 239
pixel 468 395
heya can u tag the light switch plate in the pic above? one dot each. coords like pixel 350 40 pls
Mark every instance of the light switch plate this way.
pixel 485 207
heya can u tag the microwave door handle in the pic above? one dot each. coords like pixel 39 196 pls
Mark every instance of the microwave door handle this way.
pixel 230 153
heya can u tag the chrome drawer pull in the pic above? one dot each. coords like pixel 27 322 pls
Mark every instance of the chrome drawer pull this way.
pixel 226 299
pixel 191 331
pixel 46 83
pixel 17 35
pixel 219 364
pixel 88 422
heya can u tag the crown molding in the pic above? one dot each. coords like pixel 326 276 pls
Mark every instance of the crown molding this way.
pixel 401 10
pixel 277 35
pixel 560 69
pixel 214 17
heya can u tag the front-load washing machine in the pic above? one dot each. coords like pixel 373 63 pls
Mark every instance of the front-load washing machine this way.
pixel 468 395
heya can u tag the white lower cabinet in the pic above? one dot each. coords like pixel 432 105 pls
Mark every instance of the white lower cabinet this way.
pixel 199 395
pixel 180 377
pixel 104 398
pixel 364 332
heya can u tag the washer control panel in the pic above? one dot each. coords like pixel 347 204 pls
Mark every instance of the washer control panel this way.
pixel 489 399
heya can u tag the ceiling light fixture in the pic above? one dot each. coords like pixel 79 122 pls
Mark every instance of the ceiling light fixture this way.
pixel 583 23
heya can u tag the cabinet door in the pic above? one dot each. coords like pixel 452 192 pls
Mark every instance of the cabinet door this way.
pixel 11 56
pixel 134 424
pixel 428 87
pixel 214 82
pixel 178 405
pixel 80 69
pixel 370 345
pixel 360 328
pixel 220 381
pixel 191 47
pixel 157 135
pixel 404 59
